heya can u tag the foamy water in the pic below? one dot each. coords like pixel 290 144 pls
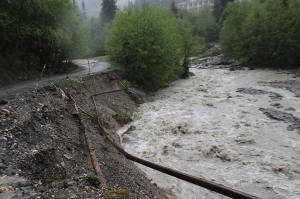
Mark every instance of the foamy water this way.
pixel 203 127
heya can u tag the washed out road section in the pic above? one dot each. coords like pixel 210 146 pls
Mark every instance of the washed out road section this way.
pixel 85 67
pixel 202 126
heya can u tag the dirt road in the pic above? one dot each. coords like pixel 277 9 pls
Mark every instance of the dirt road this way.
pixel 84 68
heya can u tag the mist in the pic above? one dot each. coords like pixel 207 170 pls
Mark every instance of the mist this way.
pixel 93 7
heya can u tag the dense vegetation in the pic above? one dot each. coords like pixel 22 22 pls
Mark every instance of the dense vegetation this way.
pixel 152 44
pixel 38 33
pixel 262 33
pixel 203 22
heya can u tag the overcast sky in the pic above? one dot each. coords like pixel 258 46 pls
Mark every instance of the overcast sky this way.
pixel 93 6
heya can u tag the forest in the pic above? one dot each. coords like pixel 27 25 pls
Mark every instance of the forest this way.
pixel 38 34
pixel 152 40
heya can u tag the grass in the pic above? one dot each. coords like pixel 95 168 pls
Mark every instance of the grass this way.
pixel 74 83
pixel 118 193
pixel 113 65
pixel 136 116
pixel 93 112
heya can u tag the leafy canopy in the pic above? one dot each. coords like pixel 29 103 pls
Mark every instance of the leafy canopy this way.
pixel 259 32
pixel 148 42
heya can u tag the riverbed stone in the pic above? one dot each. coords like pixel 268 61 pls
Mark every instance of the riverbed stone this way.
pixel 290 109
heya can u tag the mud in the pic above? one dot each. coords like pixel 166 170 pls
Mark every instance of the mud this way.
pixel 43 143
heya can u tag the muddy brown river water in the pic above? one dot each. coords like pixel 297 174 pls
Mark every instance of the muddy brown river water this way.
pixel 203 127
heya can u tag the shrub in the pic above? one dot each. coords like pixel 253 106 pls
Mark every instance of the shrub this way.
pixel 148 43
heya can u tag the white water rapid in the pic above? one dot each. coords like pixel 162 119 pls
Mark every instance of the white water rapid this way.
pixel 203 127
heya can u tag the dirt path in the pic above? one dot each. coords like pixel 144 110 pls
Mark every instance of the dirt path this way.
pixel 225 127
pixel 95 66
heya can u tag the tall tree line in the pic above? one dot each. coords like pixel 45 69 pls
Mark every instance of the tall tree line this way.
pixel 262 33
pixel 38 33
pixel 100 26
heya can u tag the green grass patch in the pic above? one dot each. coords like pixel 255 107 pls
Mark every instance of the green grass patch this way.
pixel 102 58
pixel 93 112
pixel 74 83
pixel 118 193
pixel 113 65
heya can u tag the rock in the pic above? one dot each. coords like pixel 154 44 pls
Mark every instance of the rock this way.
pixel 130 129
pixel 69 183
pixel 75 114
pixel 7 188
pixel 282 116
pixel 3 101
pixel 4 111
pixel 68 157
pixel 275 104
pixel 290 109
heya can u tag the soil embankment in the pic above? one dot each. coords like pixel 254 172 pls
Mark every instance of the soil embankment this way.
pixel 46 142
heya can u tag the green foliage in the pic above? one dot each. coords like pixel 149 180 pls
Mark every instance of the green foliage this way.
pixel 34 33
pixel 218 9
pixel 261 32
pixel 93 113
pixel 191 45
pixel 74 83
pixel 230 35
pixel 98 33
pixel 210 52
pixel 126 83
pixel 147 42
pixel 118 193
pixel 108 10
pixel 203 22
pixel 174 8
pixel 113 65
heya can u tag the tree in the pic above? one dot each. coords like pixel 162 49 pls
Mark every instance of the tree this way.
pixel 108 10
pixel 230 35
pixel 218 9
pixel 203 22
pixel 83 9
pixel 191 45
pixel 32 35
pixel 262 32
pixel 174 8
pixel 147 41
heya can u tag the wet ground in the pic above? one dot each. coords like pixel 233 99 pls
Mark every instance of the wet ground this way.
pixel 46 144
pixel 237 128
pixel 85 67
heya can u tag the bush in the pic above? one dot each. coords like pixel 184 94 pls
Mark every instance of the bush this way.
pixel 148 43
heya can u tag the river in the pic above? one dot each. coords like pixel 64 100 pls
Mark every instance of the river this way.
pixel 203 127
